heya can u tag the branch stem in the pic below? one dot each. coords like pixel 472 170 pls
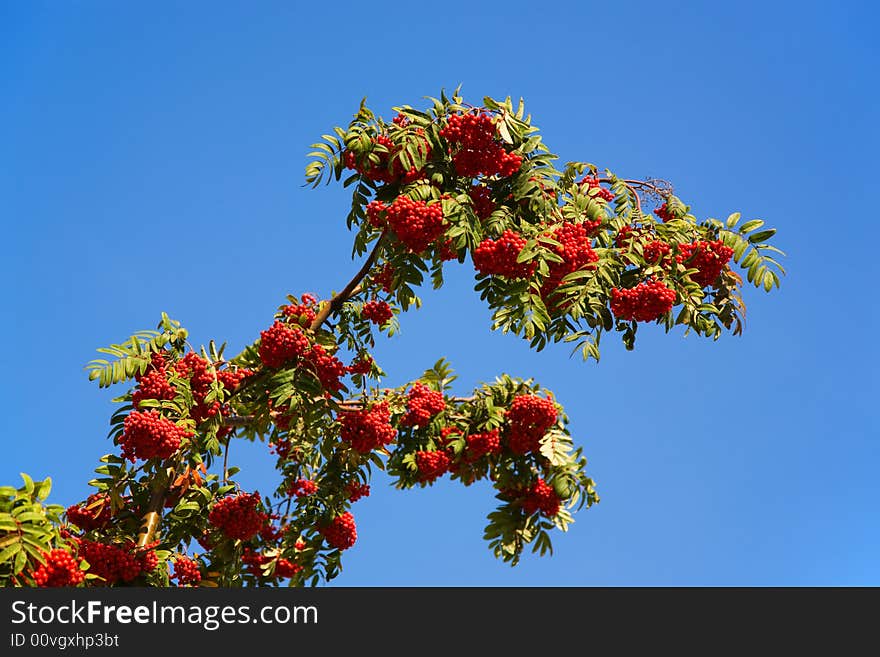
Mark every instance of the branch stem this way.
pixel 351 288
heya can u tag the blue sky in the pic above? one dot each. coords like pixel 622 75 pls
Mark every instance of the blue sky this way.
pixel 152 160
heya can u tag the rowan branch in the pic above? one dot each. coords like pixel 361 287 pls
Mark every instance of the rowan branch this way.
pixel 345 405
pixel 334 304
pixel 150 521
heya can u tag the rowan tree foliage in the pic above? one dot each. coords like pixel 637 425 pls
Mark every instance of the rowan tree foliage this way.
pixel 560 254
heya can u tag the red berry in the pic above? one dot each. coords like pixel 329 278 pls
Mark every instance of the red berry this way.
pixel 341 533
pixel 328 368
pixel 664 213
pixel 61 569
pixel 529 417
pixel 481 197
pixel 356 491
pixel 281 344
pixel 708 258
pixel 646 302
pixel 378 312
pixel 367 429
pixel 498 257
pixel 147 435
pixel 384 278
pixel 475 149
pixel 239 517
pixel 94 513
pixel 415 223
pixel 153 384
pixel 576 253
pixel 381 165
pixel 303 488
pixel 363 365
pixel 481 444
pixel 421 405
pixel 302 313
pixel 114 563
pixel 432 465
pixel 186 571
pixel 541 497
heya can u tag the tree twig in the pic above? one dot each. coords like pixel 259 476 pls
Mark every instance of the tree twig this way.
pixel 331 306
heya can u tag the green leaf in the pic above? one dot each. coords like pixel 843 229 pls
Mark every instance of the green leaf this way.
pixel 28 483
pixel 762 236
pixel 20 561
pixel 30 516
pixel 8 552
pixel 504 132
pixel 749 226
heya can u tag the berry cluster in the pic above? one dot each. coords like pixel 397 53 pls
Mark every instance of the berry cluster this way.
pixel 592 183
pixel 656 253
pixel 432 465
pixel 153 384
pixel 94 513
pixel 280 344
pixel 201 375
pixel 481 197
pixel 529 418
pixel 446 250
pixel 415 223
pixel 643 303
pixel 239 516
pixel 302 313
pixel 148 435
pixel 281 445
pixel 445 439
pixel 384 278
pixel 186 571
pixel 475 149
pixel 363 365
pixel 285 568
pixel 303 488
pixel 709 258
pixel 231 379
pixel 626 234
pixel 60 569
pixel 498 257
pixel 576 253
pixel 481 444
pixel 376 214
pixel 541 497
pixel 341 533
pixel 367 430
pixel 255 561
pixel 328 368
pixel 377 312
pixel 117 563
pixel 421 405
pixel 664 213
pixel 356 490
pixel 381 165
pixel 271 533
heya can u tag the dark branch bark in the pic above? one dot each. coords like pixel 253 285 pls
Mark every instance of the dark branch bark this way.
pixel 330 307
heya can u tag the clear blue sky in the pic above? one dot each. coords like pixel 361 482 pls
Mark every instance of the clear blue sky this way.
pixel 151 158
